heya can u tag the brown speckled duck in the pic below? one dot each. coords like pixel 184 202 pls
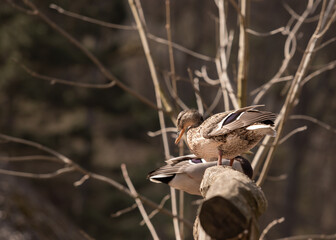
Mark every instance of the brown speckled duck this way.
pixel 186 172
pixel 225 135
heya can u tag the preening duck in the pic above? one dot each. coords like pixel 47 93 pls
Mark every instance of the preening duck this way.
pixel 186 172
pixel 225 135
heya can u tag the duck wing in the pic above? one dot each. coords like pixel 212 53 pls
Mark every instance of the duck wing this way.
pixel 223 123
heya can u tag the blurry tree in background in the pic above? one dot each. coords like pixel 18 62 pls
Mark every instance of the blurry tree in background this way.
pixel 75 79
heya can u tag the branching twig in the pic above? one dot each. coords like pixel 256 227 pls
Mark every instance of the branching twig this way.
pixel 331 65
pixel 60 171
pixel 123 211
pixel 310 237
pixel 138 202
pixel 314 120
pixel 106 73
pixel 282 30
pixel 257 160
pixel 135 11
pixel 159 132
pixel 30 158
pixel 270 225
pixel 154 212
pixel 296 83
pixel 91 175
pixel 297 130
pixel 53 80
pixel 90 20
pixel 124 27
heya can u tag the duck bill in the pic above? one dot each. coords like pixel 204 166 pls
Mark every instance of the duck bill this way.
pixel 179 136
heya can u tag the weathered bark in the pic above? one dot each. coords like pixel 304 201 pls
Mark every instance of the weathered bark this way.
pixel 231 207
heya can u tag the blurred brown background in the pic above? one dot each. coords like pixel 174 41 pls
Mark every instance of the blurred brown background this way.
pixel 102 128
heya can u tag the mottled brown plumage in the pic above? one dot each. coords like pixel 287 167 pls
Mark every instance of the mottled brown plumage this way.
pixel 227 134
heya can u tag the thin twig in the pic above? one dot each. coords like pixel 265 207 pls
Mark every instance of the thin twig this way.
pixel 176 98
pixel 296 84
pixel 297 130
pixel 159 132
pixel 30 158
pixel 270 225
pixel 242 54
pixel 106 73
pixel 271 82
pixel 221 62
pixel 54 80
pixel 18 7
pixel 124 27
pixel 135 11
pixel 156 211
pixel 39 175
pixel 331 65
pixel 90 20
pixel 170 48
pixel 214 103
pixel 310 237
pixel 203 74
pixel 282 30
pixel 258 158
pixel 277 178
pixel 95 176
pixel 123 211
pixel 289 50
pixel 138 202
pixel 36 145
pixel 314 120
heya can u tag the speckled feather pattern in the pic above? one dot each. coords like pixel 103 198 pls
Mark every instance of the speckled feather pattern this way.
pixel 233 138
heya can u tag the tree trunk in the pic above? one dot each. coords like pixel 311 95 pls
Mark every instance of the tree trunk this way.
pixel 232 204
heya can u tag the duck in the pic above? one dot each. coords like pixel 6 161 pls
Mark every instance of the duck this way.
pixel 226 134
pixel 186 172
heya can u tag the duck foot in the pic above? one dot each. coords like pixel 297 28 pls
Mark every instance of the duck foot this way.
pixel 231 162
pixel 219 161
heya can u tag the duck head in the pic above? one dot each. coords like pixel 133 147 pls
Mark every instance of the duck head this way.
pixel 187 119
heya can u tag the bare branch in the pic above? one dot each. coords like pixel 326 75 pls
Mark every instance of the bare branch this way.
pixel 176 98
pixel 257 160
pixel 214 103
pixel 180 48
pixel 289 49
pixel 39 175
pixel 262 89
pixel 53 80
pixel 106 73
pixel 282 30
pixel 296 84
pixel 135 11
pixel 277 178
pixel 314 120
pixel 331 65
pixel 297 130
pixel 38 146
pixel 95 176
pixel 270 225
pixel 90 20
pixel 310 237
pixel 30 158
pixel 82 180
pixel 123 211
pixel 123 27
pixel 155 211
pixel 159 132
pixel 203 74
pixel 21 9
pixel 138 202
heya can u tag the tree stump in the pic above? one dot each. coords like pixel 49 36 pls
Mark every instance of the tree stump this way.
pixel 232 204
